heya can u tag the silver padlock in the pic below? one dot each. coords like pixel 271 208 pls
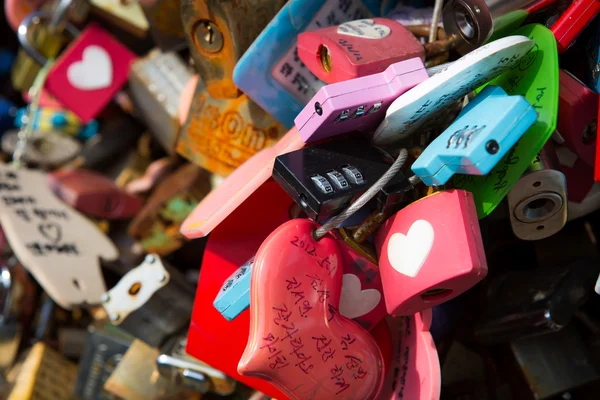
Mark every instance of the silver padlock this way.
pixel 176 364
pixel 538 201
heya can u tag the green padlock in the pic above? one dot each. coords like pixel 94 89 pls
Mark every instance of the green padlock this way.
pixel 535 78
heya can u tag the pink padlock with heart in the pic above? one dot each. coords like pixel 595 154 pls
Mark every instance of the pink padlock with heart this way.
pixel 298 340
pixel 430 251
pixel 90 72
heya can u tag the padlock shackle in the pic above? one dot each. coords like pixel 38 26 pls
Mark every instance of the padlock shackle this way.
pixel 58 20
pixel 36 17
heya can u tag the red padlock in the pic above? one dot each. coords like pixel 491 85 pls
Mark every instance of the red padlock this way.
pixel 573 21
pixel 577 117
pixel 89 73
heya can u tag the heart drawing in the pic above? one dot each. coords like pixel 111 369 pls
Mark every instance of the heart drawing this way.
pixel 407 253
pixel 364 28
pixel 93 72
pixel 355 302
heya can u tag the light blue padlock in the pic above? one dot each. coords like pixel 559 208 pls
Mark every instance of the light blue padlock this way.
pixel 486 129
pixel 592 51
pixel 270 71
pixel 234 296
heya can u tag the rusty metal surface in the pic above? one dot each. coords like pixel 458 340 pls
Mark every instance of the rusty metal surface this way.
pixel 220 135
pixel 239 22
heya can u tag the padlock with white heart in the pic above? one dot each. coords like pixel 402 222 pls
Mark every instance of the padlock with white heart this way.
pixel 89 73
pixel 430 251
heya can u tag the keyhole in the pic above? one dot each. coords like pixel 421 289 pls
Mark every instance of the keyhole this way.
pixel 208 35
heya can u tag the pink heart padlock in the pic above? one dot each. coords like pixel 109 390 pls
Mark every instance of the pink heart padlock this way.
pixel 430 251
pixel 298 340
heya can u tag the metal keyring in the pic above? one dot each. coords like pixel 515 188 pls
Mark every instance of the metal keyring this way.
pixel 36 18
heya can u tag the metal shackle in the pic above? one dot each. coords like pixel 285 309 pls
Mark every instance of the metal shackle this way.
pixel 36 18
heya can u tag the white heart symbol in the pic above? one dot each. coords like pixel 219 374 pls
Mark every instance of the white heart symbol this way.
pixel 93 72
pixel 407 253
pixel 354 302
pixel 364 28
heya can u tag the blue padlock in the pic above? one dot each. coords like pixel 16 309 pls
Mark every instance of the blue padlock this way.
pixel 8 113
pixel 234 296
pixel 486 129
pixel 271 73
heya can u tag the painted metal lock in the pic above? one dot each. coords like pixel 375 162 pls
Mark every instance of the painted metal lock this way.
pixel 476 22
pixel 237 188
pixel 89 73
pixel 182 369
pixel 538 201
pixel 357 48
pixel 221 134
pixel 218 33
pixel 151 301
pixel 60 121
pixel 324 179
pixel 573 21
pixel 358 104
pixel 486 129
pixel 420 105
pixel 94 194
pixel 300 352
pixel 579 175
pixel 127 15
pixel 234 296
pixel 164 20
pixel 527 303
pixel 536 79
pixel 577 120
pixel 48 150
pixel 440 229
pixel 44 371
pixel 271 72
pixel 155 86
pixel 104 349
pixel 157 225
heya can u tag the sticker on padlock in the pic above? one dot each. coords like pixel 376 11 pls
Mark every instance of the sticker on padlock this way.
pixel 151 301
pixel 361 298
pixel 573 21
pixel 536 79
pixel 359 104
pixel 211 338
pixel 182 369
pixel 486 129
pixel 59 121
pixel 59 246
pixel 93 194
pixel 271 72
pixel 316 331
pixel 221 134
pixel 577 120
pixel 357 48
pixel 104 348
pixel 538 201
pixel 237 188
pixel 476 21
pixel 411 111
pixel 155 85
pixel 525 303
pixel 157 225
pixel 219 33
pixel 441 228
pixel 414 371
pixel 127 15
pixel 89 73
pixel 164 20
pixel 324 179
